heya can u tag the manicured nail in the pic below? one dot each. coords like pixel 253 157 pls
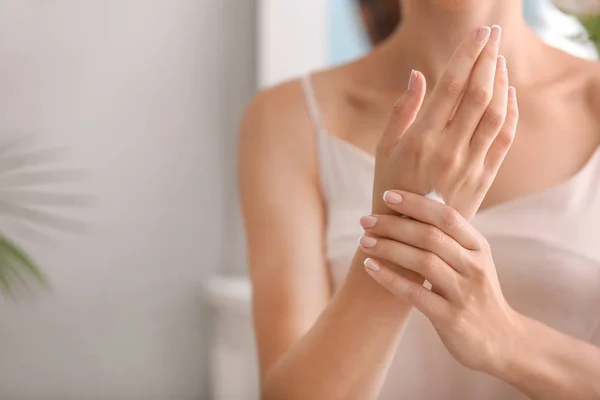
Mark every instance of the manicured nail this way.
pixel 512 94
pixel 367 242
pixel 372 265
pixel 495 34
pixel 392 197
pixel 483 34
pixel 368 221
pixel 501 65
pixel 411 80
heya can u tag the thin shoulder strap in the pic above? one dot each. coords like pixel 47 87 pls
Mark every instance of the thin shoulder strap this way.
pixel 313 106
pixel 321 136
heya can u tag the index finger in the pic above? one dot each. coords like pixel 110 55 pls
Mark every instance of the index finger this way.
pixel 432 212
pixel 449 89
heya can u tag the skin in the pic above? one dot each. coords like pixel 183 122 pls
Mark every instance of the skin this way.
pixel 303 331
pixel 466 305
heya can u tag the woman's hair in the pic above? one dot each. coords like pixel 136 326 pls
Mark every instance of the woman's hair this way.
pixel 381 17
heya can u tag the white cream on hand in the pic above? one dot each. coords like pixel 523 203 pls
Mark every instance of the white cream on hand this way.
pixel 433 195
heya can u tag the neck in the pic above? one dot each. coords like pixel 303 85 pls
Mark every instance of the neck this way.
pixel 432 29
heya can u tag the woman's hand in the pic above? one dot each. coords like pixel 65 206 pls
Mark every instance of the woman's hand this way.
pixel 455 143
pixel 465 303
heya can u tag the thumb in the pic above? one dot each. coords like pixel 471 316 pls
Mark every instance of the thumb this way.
pixel 405 111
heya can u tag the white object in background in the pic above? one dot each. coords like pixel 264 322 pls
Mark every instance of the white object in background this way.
pixel 234 359
pixel 292 39
pixel 558 29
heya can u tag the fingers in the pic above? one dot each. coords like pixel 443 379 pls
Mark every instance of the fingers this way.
pixel 448 91
pixel 505 138
pixel 404 111
pixel 495 116
pixel 437 214
pixel 423 241
pixel 479 92
pixel 425 263
pixel 429 303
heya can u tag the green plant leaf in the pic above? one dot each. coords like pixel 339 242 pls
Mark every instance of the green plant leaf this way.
pixel 592 25
pixel 32 187
pixel 11 251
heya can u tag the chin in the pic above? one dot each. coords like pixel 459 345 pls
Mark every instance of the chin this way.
pixel 455 4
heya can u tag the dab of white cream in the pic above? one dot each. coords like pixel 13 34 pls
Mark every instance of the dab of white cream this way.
pixel 433 195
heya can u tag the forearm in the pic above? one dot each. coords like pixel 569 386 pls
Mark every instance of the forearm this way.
pixel 552 366
pixel 347 353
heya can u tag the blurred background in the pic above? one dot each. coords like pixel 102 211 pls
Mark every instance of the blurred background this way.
pixel 139 102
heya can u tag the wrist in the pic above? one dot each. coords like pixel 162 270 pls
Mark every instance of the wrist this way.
pixel 530 363
pixel 512 361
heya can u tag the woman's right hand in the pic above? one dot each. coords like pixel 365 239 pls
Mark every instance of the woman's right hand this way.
pixel 455 142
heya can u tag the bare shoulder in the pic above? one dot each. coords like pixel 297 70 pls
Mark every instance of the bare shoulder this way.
pixel 278 120
pixel 277 113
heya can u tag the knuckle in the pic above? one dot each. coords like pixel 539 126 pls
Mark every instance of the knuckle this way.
pixel 396 286
pixel 505 140
pixel 513 114
pixel 453 86
pixel 430 263
pixel 480 95
pixel 456 321
pixel 448 161
pixel 432 236
pixel 469 298
pixel 399 107
pixel 495 119
pixel 478 272
pixel 415 294
pixel 483 184
pixel 451 219
pixel 491 51
pixel 484 245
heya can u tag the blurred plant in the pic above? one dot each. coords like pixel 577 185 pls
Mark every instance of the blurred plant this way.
pixel 591 22
pixel 20 170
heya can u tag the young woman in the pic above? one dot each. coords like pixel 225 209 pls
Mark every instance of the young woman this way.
pixel 525 323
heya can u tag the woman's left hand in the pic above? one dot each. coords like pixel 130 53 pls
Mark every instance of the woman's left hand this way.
pixel 465 304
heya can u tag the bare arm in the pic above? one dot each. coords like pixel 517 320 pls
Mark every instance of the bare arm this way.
pixel 285 229
pixel 554 366
pixel 468 310
pixel 346 353
pixel 285 226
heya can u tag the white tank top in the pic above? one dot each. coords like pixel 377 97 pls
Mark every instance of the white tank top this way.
pixel 546 249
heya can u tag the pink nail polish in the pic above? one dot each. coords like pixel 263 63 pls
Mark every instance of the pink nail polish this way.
pixel 372 265
pixel 367 242
pixel 496 34
pixel 368 221
pixel 483 34
pixel 512 94
pixel 392 197
pixel 411 80
pixel 501 65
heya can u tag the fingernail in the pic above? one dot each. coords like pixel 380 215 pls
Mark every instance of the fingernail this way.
pixel 483 34
pixel 367 242
pixel 392 197
pixel 501 65
pixel 372 265
pixel 495 34
pixel 368 221
pixel 411 80
pixel 512 94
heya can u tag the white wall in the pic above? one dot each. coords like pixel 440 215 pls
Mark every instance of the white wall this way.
pixel 293 38
pixel 145 96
